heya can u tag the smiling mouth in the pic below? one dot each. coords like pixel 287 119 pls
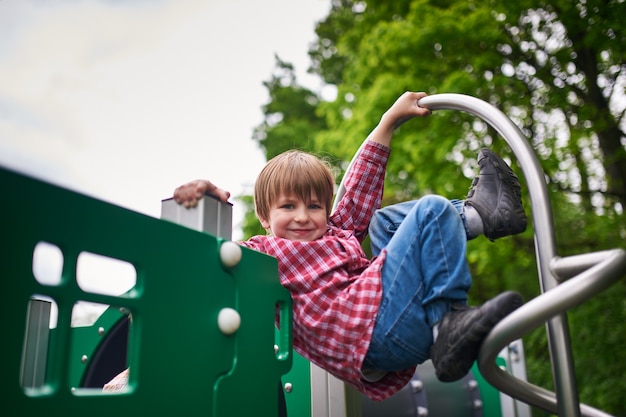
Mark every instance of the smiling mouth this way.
pixel 301 232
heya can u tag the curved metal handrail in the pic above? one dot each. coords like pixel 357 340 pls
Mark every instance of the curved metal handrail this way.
pixel 588 275
pixel 549 307
pixel 590 282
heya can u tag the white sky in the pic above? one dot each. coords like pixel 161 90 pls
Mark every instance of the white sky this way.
pixel 125 100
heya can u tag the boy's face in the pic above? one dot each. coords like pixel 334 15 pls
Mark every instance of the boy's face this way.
pixel 293 219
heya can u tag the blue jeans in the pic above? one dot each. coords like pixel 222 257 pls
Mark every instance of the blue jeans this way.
pixel 425 271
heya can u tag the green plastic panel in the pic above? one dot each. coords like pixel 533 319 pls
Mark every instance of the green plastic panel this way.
pixel 492 406
pixel 180 362
pixel 86 340
pixel 298 398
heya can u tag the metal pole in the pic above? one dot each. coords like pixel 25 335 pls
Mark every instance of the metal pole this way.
pixel 558 331
pixel 581 277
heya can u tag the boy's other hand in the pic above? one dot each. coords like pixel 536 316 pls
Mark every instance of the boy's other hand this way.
pixel 190 193
pixel 406 107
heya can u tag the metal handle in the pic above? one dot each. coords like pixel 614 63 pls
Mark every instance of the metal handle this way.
pixel 556 299
pixel 595 272
pixel 607 268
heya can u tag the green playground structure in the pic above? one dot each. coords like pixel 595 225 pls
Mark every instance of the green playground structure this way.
pixel 195 321
pixel 181 362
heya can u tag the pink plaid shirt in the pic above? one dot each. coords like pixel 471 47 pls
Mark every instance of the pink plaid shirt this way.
pixel 336 289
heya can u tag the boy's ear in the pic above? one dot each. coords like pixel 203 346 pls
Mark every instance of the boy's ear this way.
pixel 264 223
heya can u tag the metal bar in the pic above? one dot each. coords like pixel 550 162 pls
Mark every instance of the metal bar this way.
pixel 557 328
pixel 568 267
pixel 588 275
pixel 35 353
pixel 569 294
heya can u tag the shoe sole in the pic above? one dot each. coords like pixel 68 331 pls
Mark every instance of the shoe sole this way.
pixel 449 368
pixel 510 180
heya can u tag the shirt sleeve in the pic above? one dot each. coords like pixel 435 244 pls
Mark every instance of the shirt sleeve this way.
pixel 364 190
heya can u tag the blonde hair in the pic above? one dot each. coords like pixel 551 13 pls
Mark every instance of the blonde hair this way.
pixel 293 173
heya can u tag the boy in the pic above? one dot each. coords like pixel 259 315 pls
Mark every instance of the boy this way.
pixel 371 322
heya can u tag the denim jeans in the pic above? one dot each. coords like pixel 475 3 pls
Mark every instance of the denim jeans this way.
pixel 425 271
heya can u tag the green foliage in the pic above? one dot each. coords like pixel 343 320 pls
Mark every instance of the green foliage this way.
pixel 250 225
pixel 555 67
pixel 291 120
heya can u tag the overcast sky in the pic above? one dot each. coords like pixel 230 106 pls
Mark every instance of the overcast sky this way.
pixel 125 100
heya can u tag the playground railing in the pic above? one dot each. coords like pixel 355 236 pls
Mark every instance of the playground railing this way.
pixel 565 282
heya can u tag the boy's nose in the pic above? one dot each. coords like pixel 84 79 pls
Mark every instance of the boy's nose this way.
pixel 301 215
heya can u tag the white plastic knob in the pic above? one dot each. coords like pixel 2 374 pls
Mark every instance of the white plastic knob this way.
pixel 228 320
pixel 230 254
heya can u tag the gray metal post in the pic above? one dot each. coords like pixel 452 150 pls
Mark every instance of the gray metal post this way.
pixel 210 215
pixel 35 353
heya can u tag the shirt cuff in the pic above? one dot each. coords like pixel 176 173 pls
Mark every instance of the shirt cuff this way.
pixel 376 150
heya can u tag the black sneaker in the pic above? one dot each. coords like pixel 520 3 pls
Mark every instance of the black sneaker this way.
pixel 496 195
pixel 461 333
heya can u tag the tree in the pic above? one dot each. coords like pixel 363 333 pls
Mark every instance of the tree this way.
pixel 290 122
pixel 290 115
pixel 556 68
pixel 570 58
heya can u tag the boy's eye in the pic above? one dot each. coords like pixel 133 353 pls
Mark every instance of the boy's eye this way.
pixel 287 206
